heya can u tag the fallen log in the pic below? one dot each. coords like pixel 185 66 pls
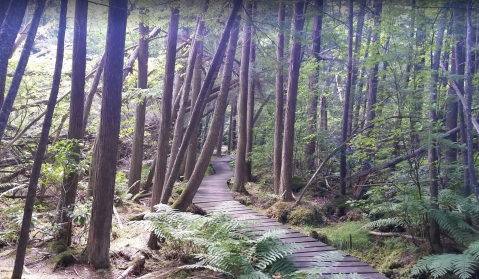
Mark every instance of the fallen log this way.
pixel 135 268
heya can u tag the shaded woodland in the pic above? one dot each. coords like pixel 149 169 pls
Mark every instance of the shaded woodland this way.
pixel 352 119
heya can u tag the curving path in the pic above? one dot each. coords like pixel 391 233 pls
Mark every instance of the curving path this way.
pixel 214 191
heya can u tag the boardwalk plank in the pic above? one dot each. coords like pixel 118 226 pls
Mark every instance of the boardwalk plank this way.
pixel 215 196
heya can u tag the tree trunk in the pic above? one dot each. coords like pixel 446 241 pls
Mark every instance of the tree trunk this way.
pixel 240 163
pixel 434 230
pixel 10 25
pixel 9 31
pixel 139 130
pixel 75 126
pixel 42 145
pixel 289 119
pixel 180 120
pixel 206 88
pixel 347 93
pixel 232 128
pixel 196 87
pixel 250 104
pixel 165 121
pixel 373 80
pixel 91 94
pixel 215 130
pixel 102 208
pixel 220 138
pixel 310 148
pixel 469 90
pixel 278 115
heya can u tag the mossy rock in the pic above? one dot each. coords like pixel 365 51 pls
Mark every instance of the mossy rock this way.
pixel 304 215
pixel 280 211
pixel 57 247
pixel 318 235
pixel 66 258
pixel 297 183
pixel 245 200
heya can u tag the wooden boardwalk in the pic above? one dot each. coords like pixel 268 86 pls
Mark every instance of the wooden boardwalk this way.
pixel 214 192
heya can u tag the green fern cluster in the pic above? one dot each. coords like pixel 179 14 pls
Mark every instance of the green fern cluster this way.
pixel 229 246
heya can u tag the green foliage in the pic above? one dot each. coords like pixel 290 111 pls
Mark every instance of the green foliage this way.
pixel 121 184
pixel 81 213
pixel 340 234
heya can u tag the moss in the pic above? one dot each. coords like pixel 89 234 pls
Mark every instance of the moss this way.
pixel 297 183
pixel 280 211
pixel 57 247
pixel 243 199
pixel 66 258
pixel 180 274
pixel 302 215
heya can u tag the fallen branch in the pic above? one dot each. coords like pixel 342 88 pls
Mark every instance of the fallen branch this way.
pixel 135 267
pixel 396 234
pixel 117 217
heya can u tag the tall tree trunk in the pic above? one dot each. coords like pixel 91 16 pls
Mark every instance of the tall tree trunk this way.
pixel 347 93
pixel 250 105
pixel 310 147
pixel 434 230
pixel 354 80
pixel 240 162
pixel 220 139
pixel 196 87
pixel 102 208
pixel 91 94
pixel 180 120
pixel 8 32
pixel 42 145
pixel 278 115
pixel 373 80
pixel 469 90
pixel 289 119
pixel 232 128
pixel 10 25
pixel 139 130
pixel 165 121
pixel 206 88
pixel 360 95
pixel 215 130
pixel 75 126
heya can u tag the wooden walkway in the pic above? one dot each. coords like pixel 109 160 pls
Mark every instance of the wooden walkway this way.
pixel 214 192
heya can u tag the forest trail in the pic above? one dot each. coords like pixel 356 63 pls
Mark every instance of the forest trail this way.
pixel 214 192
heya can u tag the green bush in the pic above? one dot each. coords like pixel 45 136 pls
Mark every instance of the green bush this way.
pixel 302 215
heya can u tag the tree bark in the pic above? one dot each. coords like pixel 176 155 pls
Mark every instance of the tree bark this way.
pixel 42 145
pixel 196 87
pixel 75 126
pixel 347 94
pixel 278 115
pixel 232 128
pixel 434 230
pixel 91 94
pixel 102 208
pixel 240 162
pixel 165 121
pixel 289 119
pixel 10 25
pixel 310 147
pixel 206 87
pixel 215 130
pixel 139 129
pixel 250 104
pixel 469 90
pixel 9 32
pixel 180 120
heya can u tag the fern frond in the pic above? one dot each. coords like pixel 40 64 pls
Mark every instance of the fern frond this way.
pixel 461 265
pixel 256 275
pixel 454 224
pixel 473 250
pixel 283 266
pixel 384 223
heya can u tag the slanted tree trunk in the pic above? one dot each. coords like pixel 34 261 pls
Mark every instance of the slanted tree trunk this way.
pixel 139 129
pixel 434 230
pixel 75 126
pixel 289 119
pixel 250 105
pixel 278 115
pixel 469 90
pixel 91 94
pixel 215 130
pixel 165 121
pixel 206 87
pixel 102 208
pixel 180 120
pixel 42 145
pixel 232 128
pixel 9 32
pixel 312 112
pixel 347 94
pixel 240 163
pixel 10 25
pixel 196 87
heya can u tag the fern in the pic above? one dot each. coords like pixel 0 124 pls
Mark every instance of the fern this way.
pixel 395 221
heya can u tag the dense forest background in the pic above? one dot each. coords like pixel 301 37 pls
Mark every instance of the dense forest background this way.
pixel 348 119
